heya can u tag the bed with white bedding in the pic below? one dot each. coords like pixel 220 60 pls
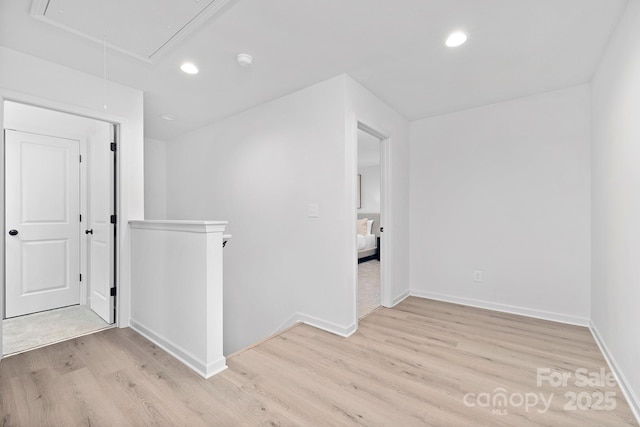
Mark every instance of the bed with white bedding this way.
pixel 368 241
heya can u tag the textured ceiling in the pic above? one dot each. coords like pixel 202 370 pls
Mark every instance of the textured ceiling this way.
pixel 394 48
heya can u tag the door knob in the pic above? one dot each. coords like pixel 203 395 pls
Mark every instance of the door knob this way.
pixel 88 231
pixel 13 232
pixel 382 229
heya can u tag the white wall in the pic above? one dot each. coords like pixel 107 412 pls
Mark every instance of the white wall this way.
pixel 155 179
pixel 32 80
pixel 364 107
pixel 505 189
pixel 616 201
pixel 177 300
pixel 370 177
pixel 259 170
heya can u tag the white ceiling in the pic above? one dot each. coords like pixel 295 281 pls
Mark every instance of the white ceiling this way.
pixel 140 28
pixel 394 48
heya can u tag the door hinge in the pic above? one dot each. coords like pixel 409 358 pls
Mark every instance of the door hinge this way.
pixel 80 158
pixel 113 219
pixel 81 277
pixel 80 217
pixel 113 292
pixel 113 146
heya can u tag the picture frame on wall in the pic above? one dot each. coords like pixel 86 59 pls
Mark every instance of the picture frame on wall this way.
pixel 359 191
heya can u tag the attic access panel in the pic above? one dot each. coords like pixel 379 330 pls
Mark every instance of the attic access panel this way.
pixel 144 29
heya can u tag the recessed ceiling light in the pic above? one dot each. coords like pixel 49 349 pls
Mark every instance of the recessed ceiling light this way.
pixel 167 117
pixel 244 59
pixel 189 68
pixel 456 39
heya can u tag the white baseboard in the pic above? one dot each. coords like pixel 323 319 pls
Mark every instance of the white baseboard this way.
pixel 205 370
pixel 629 394
pixel 293 320
pixel 512 309
pixel 397 300
pixel 343 331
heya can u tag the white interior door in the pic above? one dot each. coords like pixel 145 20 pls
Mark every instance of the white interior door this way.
pixel 42 221
pixel 101 231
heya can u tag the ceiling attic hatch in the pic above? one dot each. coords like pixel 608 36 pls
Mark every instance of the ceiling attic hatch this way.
pixel 144 29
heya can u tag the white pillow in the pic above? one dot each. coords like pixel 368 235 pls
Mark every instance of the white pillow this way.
pixel 361 226
pixel 369 226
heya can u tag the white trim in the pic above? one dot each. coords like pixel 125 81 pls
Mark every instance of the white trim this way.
pixel 333 328
pixel 386 264
pixel 183 226
pixel 351 176
pixel 397 300
pixel 343 331
pixel 621 379
pixel 201 368
pixel 2 224
pixel 386 221
pixel 386 214
pixel 293 320
pixel 123 298
pixel 84 244
pixel 512 309
pixel 39 7
pixel 214 8
pixel 23 98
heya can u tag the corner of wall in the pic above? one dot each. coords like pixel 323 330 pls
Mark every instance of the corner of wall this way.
pixel 155 178
pixel 327 326
pixel 621 379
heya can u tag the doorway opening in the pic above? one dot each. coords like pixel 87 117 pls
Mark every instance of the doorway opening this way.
pixel 60 226
pixel 369 225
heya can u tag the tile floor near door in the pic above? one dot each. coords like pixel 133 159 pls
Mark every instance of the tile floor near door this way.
pixel 368 287
pixel 47 327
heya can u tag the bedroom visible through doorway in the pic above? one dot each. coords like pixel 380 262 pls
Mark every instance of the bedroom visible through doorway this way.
pixel 368 223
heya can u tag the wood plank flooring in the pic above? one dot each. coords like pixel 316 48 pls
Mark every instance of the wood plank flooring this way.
pixel 411 365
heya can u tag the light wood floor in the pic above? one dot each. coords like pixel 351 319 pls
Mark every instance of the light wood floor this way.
pixel 411 365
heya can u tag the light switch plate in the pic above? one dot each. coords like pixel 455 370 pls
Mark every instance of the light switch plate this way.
pixel 313 211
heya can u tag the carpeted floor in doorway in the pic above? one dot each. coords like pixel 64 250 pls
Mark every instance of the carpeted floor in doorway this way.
pixel 368 287
pixel 48 327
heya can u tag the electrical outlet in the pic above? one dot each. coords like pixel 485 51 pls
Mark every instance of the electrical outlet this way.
pixel 477 276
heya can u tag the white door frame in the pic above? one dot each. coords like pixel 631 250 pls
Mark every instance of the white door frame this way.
pixel 122 298
pixel 386 259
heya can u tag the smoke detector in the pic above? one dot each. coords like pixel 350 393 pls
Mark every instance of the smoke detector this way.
pixel 244 60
